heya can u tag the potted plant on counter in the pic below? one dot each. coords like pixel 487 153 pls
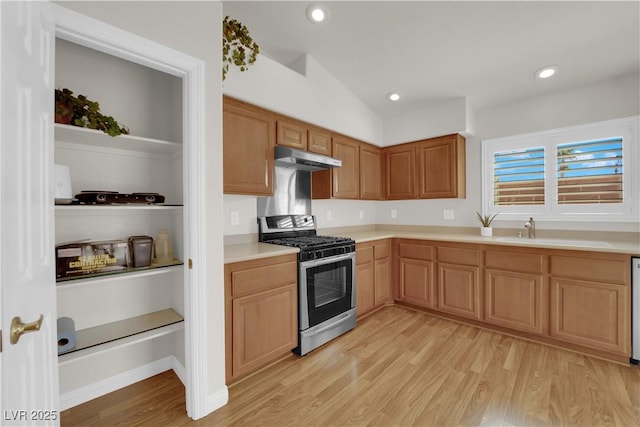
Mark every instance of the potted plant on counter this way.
pixel 486 230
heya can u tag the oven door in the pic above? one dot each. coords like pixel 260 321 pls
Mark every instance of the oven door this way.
pixel 327 288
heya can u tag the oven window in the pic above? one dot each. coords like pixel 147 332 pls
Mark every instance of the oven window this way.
pixel 329 290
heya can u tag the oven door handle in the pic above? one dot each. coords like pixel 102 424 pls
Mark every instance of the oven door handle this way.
pixel 329 260
pixel 339 320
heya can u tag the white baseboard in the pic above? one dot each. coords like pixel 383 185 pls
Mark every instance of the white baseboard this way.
pixel 108 385
pixel 217 400
pixel 179 369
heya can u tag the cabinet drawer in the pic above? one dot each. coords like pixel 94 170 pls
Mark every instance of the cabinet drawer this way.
pixel 258 279
pixel 459 256
pixel 513 261
pixel 364 254
pixel 415 251
pixel 381 250
pixel 599 270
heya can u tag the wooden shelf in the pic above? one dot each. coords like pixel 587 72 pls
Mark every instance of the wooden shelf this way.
pixel 91 138
pixel 140 271
pixel 116 333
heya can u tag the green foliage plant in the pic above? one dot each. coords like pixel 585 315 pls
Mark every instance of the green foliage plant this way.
pixel 83 112
pixel 238 48
pixel 486 219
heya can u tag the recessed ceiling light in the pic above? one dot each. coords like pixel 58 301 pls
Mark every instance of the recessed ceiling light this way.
pixel 546 72
pixel 393 96
pixel 316 14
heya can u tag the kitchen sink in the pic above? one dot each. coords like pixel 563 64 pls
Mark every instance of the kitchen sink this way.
pixel 558 242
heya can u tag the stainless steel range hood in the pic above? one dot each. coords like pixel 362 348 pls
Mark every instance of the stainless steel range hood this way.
pixel 292 181
pixel 301 160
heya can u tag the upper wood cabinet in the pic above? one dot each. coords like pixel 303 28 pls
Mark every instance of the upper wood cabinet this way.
pixel 429 169
pixel 370 172
pixel 400 173
pixel 248 138
pixel 291 133
pixel 441 166
pixel 319 141
pixel 346 179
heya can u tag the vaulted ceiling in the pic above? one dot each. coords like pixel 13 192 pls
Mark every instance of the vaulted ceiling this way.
pixel 429 51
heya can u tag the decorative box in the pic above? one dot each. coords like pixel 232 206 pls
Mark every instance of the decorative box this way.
pixel 83 258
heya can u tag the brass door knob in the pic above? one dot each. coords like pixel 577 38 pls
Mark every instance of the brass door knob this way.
pixel 18 328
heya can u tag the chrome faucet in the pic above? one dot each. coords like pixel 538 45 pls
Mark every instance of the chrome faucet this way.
pixel 531 228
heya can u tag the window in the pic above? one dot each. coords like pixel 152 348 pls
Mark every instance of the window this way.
pixel 586 172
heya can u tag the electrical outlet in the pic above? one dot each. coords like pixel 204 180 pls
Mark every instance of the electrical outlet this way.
pixel 361 214
pixel 394 213
pixel 448 214
pixel 235 218
pixel 329 216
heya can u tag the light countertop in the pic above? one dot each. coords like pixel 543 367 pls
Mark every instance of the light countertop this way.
pixel 564 244
pixel 255 250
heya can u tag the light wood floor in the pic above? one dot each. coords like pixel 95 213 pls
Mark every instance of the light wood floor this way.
pixel 400 368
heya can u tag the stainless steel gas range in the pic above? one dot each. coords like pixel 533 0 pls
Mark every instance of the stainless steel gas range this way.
pixel 326 278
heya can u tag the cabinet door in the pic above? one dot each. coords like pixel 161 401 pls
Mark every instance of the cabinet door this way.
pixel 248 138
pixel 382 292
pixel 292 134
pixel 264 327
pixel 370 172
pixel 591 314
pixel 459 290
pixel 319 142
pixel 416 282
pixel 517 301
pixel 364 279
pixel 400 172
pixel 382 267
pixel 346 179
pixel 441 168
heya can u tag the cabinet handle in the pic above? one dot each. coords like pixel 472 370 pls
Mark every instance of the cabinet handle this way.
pixel 190 263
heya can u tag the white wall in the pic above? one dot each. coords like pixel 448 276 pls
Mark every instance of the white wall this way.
pixel 443 118
pixel 163 22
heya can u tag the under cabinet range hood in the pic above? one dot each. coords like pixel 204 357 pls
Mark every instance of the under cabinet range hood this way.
pixel 302 160
pixel 292 181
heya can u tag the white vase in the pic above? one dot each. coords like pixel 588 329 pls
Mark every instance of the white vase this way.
pixel 486 231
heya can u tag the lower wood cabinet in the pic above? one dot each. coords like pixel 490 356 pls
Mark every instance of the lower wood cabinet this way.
pixel 459 285
pixel 516 291
pixel 261 312
pixel 365 279
pixel 516 301
pixel 415 273
pixel 373 275
pixel 590 305
pixel 579 299
pixel 459 290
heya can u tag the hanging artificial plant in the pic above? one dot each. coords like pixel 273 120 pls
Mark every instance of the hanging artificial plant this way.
pixel 81 111
pixel 238 48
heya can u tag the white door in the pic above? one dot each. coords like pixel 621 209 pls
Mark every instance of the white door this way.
pixel 28 368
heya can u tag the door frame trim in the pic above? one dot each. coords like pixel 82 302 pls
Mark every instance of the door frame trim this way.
pixel 94 34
